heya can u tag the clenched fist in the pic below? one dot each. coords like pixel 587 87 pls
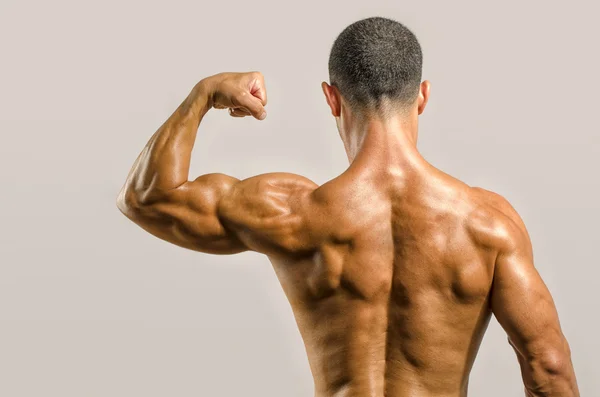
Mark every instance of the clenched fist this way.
pixel 244 94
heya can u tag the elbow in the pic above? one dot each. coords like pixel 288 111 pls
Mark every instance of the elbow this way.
pixel 553 370
pixel 554 362
pixel 128 202
pixel 135 204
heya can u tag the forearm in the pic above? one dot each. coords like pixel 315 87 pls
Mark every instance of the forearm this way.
pixel 164 162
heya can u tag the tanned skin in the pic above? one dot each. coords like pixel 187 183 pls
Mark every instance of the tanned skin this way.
pixel 393 269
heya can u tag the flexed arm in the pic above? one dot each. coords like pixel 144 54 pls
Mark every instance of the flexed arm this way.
pixel 215 213
pixel 164 163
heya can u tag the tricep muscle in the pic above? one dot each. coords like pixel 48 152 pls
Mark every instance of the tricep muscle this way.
pixel 220 214
pixel 186 216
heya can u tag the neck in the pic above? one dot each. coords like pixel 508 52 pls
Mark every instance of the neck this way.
pixel 385 145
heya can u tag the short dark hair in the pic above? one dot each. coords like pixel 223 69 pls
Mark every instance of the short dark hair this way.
pixel 375 58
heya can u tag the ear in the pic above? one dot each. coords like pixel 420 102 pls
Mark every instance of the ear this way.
pixel 423 95
pixel 332 96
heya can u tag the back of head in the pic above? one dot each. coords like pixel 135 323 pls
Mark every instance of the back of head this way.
pixel 376 59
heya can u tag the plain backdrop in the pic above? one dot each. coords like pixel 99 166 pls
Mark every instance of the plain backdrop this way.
pixel 91 305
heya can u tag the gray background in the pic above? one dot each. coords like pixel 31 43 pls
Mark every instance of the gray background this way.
pixel 90 305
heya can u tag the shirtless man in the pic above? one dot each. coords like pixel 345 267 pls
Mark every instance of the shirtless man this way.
pixel 394 267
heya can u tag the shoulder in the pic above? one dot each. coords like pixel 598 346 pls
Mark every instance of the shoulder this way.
pixel 269 194
pixel 278 180
pixel 496 222
pixel 273 213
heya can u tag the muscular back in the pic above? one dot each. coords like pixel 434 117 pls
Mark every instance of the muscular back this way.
pixel 392 277
pixel 396 300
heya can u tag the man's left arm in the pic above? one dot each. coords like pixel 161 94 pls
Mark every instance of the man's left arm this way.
pixel 215 213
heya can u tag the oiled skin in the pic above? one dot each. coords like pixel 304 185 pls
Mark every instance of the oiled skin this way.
pixel 392 269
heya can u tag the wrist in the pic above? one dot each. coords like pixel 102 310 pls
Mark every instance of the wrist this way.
pixel 201 97
pixel 209 84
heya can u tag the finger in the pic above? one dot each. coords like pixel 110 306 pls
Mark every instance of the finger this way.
pixel 251 103
pixel 239 112
pixel 258 88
